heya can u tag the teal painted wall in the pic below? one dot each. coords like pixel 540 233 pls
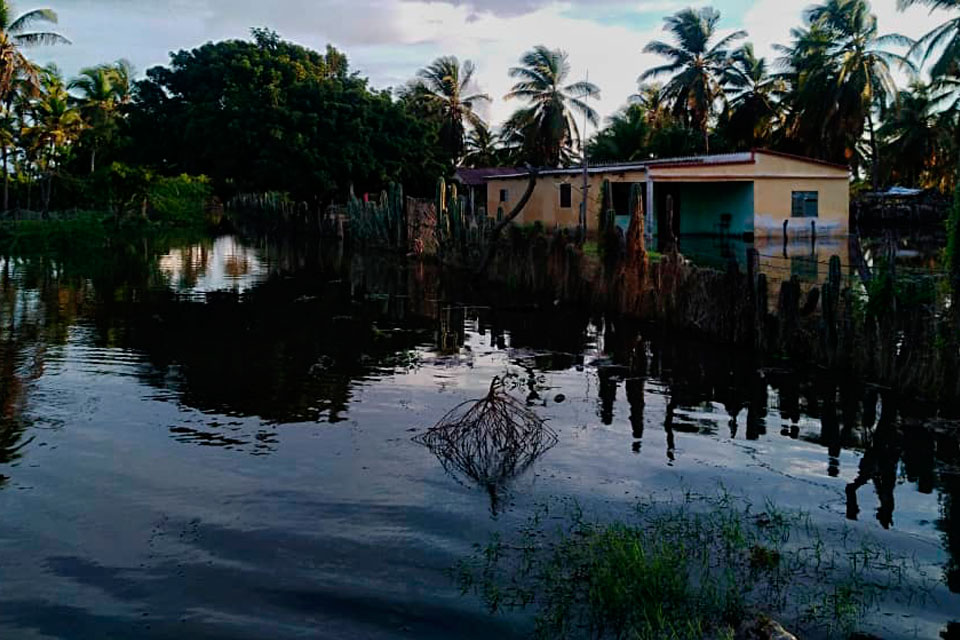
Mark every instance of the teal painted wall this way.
pixel 702 204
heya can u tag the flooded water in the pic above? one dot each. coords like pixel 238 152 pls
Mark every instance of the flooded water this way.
pixel 215 441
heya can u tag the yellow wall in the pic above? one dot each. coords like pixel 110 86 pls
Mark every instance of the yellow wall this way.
pixel 775 178
pixel 773 201
pixel 780 165
pixel 544 204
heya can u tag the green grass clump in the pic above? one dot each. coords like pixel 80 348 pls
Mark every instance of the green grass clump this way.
pixel 693 569
pixel 83 229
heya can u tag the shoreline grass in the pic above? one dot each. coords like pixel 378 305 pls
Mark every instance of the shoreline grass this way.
pixel 698 567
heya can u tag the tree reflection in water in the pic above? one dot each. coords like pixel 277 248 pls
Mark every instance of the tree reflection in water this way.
pixel 314 323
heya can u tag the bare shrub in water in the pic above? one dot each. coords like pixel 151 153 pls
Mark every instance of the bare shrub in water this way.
pixel 489 440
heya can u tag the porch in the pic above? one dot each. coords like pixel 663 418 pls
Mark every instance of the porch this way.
pixel 708 208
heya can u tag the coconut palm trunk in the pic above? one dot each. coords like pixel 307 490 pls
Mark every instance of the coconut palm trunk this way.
pixel 6 182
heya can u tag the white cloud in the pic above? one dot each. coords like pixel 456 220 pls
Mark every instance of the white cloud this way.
pixel 388 40
pixel 610 54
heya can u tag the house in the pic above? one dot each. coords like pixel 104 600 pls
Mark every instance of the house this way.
pixel 473 186
pixel 755 193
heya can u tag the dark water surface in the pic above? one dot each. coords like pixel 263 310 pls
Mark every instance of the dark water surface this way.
pixel 215 442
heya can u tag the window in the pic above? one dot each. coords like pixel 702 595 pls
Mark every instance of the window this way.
pixel 504 195
pixel 566 196
pixel 805 204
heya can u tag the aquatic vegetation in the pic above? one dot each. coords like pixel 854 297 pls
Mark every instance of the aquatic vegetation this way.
pixel 489 440
pixel 693 567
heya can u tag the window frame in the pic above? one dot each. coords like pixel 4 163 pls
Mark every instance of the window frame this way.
pixel 800 204
pixel 504 195
pixel 566 189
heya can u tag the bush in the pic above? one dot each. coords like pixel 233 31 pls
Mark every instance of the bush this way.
pixel 130 191
pixel 180 201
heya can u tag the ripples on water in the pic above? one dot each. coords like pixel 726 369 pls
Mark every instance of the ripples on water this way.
pixel 220 445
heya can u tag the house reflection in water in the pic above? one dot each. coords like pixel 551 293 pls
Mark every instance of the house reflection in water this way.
pixel 806 258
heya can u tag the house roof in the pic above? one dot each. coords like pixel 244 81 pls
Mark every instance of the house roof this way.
pixel 746 157
pixel 476 177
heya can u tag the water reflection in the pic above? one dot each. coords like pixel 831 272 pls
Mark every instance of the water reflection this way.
pixel 806 258
pixel 247 342
pixel 223 264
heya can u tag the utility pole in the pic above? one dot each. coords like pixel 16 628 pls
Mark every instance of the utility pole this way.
pixel 586 173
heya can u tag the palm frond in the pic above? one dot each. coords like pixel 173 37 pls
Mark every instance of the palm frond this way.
pixel 728 40
pixel 31 18
pixel 40 39
pixel 476 97
pixel 586 110
pixel 659 71
pixel 583 88
pixel 667 51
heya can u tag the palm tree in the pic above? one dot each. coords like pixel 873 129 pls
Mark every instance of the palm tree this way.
pixel 697 65
pixel 916 134
pixel 16 33
pixel 445 87
pixel 625 138
pixel 481 147
pixel 812 123
pixel 944 39
pixel 103 90
pixel 547 126
pixel 23 86
pixel 649 97
pixel 752 113
pixel 56 126
pixel 945 70
pixel 864 81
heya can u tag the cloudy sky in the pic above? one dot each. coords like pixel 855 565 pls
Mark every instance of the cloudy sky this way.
pixel 388 40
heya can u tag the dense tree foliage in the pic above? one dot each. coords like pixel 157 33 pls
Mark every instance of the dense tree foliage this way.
pixel 268 115
pixel 636 134
pixel 483 149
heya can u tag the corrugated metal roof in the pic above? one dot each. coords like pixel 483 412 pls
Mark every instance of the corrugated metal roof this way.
pixel 721 158
pixel 744 157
